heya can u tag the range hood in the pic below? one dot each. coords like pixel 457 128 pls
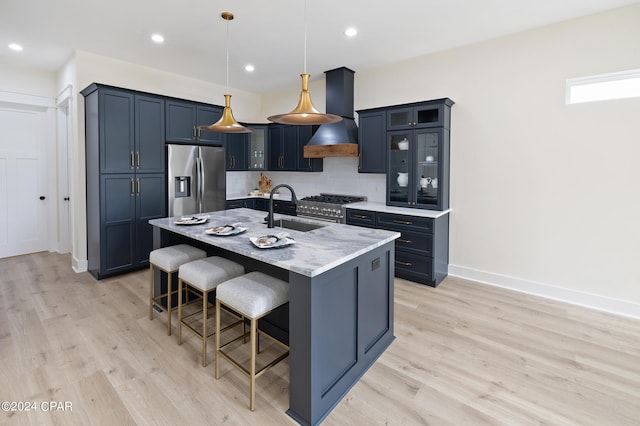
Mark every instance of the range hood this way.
pixel 336 139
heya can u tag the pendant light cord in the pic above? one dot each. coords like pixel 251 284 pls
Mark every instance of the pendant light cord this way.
pixel 227 56
pixel 305 36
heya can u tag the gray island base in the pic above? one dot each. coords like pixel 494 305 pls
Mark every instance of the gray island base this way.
pixel 339 319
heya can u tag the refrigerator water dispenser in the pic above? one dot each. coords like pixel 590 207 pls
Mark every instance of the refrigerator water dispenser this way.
pixel 183 186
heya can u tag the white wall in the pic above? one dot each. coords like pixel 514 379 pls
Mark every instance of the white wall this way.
pixel 544 194
pixel 21 79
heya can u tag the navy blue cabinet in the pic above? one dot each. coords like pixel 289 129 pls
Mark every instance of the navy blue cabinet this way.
pixel 286 149
pixel 183 119
pixel 421 252
pixel 372 129
pixel 237 145
pixel 125 176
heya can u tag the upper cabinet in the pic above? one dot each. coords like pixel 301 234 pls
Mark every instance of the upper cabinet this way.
pixel 258 147
pixel 418 169
pixel 183 119
pixel 420 115
pixel 372 130
pixel 286 149
pixel 131 132
pixel 236 151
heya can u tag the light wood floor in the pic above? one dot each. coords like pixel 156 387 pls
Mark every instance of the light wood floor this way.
pixel 465 353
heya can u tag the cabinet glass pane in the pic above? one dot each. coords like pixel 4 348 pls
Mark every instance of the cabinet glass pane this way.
pixel 427 146
pixel 257 149
pixel 400 118
pixel 399 145
pixel 427 116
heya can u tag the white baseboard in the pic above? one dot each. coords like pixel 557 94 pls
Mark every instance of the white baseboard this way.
pixel 615 306
pixel 79 265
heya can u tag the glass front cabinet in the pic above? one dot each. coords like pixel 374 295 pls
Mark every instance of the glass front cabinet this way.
pixel 418 155
pixel 418 169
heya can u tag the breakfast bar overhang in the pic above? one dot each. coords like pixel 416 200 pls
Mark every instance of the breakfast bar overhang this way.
pixel 340 312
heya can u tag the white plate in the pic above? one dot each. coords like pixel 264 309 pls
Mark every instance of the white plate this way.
pixel 226 230
pixel 191 220
pixel 272 241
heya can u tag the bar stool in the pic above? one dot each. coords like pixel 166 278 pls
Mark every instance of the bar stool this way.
pixel 168 260
pixel 253 296
pixel 203 275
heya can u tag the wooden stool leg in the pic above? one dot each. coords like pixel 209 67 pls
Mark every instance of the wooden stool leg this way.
pixel 151 291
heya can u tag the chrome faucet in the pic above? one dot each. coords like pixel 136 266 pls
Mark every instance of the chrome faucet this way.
pixel 270 215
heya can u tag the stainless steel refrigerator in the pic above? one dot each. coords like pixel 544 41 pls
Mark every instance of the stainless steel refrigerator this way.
pixel 196 179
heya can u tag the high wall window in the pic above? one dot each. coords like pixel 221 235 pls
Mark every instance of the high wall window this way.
pixel 618 85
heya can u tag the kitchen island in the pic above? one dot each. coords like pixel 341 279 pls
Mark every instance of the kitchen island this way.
pixel 340 313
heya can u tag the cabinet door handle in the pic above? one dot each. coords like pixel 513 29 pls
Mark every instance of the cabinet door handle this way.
pixel 132 161
pixel 193 132
pixel 402 222
pixel 138 159
pixel 404 263
pixel 138 182
pixel 133 190
pixel 199 133
pixel 405 241
pixel 360 216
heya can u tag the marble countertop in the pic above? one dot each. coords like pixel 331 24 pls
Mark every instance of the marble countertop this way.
pixel 313 253
pixel 381 207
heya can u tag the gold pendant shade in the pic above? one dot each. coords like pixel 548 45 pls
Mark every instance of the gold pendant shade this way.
pixel 305 112
pixel 227 123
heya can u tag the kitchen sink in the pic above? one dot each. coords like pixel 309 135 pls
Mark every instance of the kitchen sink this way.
pixel 295 225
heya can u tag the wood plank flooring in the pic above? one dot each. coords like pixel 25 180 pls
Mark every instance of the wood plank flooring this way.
pixel 465 353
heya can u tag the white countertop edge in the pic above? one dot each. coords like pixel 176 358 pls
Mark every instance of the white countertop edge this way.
pixel 383 208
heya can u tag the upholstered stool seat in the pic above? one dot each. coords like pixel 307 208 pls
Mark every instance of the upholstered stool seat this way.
pixel 253 296
pixel 203 275
pixel 169 259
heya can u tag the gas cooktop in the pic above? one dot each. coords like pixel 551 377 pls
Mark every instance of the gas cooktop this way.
pixel 334 198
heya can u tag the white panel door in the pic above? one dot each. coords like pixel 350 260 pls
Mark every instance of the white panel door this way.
pixel 23 172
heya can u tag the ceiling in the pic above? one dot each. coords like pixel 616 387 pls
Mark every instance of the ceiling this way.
pixel 266 33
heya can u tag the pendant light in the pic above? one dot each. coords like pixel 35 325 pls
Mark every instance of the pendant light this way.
pixel 305 113
pixel 226 124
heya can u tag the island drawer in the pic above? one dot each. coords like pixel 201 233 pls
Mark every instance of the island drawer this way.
pixel 361 218
pixel 395 222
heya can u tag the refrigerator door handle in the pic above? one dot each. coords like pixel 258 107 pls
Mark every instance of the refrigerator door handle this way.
pixel 199 183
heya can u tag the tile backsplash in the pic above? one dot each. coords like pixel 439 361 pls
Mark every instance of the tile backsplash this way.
pixel 339 176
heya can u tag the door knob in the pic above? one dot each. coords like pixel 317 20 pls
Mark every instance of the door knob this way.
pixel 42 197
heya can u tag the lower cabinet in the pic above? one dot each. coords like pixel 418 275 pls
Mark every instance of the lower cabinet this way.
pixel 119 237
pixel 422 251
pixel 248 203
pixel 279 206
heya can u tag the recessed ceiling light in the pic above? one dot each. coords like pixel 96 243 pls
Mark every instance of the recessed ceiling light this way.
pixel 158 38
pixel 350 32
pixel 15 47
pixel 249 68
